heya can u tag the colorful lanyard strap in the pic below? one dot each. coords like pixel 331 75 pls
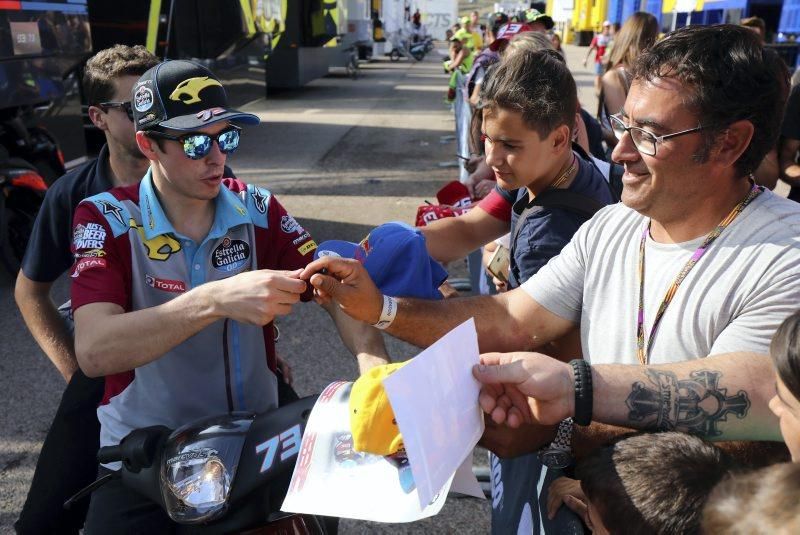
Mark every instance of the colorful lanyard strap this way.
pixel 642 350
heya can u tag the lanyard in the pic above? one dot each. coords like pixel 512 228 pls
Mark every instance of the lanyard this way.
pixel 642 350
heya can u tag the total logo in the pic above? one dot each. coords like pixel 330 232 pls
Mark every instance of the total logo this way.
pixel 165 285
pixel 87 263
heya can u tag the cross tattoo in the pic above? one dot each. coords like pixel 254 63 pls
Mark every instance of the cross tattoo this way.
pixel 697 404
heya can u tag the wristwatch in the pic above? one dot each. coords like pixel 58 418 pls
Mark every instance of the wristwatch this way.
pixel 559 453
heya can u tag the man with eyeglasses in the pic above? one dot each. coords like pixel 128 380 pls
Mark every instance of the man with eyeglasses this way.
pixel 697 260
pixel 67 460
pixel 177 280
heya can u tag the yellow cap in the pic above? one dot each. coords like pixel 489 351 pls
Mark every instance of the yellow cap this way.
pixel 372 420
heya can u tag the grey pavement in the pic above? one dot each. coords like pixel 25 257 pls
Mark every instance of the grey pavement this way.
pixel 343 156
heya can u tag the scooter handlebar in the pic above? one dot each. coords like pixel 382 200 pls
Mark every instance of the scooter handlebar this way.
pixel 109 454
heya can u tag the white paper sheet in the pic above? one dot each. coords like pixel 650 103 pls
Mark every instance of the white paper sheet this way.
pixel 435 402
pixel 330 478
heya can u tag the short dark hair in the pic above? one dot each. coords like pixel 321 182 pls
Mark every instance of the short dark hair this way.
pixel 729 77
pixel 537 84
pixel 785 352
pixel 760 501
pixel 108 65
pixel 652 483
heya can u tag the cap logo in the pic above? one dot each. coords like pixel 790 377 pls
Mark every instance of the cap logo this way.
pixel 191 88
pixel 206 115
pixel 143 99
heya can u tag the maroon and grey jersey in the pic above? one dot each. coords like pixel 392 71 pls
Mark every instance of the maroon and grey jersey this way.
pixel 128 253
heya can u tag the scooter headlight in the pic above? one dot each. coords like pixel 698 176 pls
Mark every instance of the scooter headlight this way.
pixel 199 465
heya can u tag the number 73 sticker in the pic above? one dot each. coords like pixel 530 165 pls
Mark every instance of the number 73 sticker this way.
pixel 288 443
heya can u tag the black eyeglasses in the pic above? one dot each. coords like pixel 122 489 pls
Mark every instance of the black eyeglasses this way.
pixel 126 106
pixel 197 145
pixel 644 141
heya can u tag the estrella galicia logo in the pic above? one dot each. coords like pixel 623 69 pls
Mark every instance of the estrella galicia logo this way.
pixel 230 255
pixel 290 225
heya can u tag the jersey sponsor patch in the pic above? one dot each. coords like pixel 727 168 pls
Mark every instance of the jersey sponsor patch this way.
pixel 290 225
pixel 143 99
pixel 230 255
pixel 160 247
pixel 307 247
pixel 109 208
pixel 87 263
pixel 260 200
pixel 165 285
pixel 91 253
pixel 303 237
pixel 89 236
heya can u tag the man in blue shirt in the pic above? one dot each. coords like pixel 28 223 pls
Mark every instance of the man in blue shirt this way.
pixel 67 460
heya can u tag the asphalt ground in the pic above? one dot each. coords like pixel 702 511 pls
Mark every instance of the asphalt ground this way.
pixel 343 156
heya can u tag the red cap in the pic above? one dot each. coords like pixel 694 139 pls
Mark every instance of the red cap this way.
pixel 507 32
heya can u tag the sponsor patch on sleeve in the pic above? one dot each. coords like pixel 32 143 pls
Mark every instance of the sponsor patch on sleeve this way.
pixel 91 236
pixel 85 264
pixel 307 247
pixel 290 225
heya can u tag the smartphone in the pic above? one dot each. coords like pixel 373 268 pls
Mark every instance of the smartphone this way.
pixel 499 263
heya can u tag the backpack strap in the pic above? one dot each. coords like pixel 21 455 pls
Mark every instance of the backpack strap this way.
pixel 582 205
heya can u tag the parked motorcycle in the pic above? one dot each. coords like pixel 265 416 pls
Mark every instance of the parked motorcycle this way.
pixel 416 51
pixel 22 190
pixel 33 144
pixel 224 474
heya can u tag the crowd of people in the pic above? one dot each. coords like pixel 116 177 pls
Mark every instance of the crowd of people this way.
pixel 645 306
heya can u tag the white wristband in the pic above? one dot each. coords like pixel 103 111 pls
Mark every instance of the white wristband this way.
pixel 388 313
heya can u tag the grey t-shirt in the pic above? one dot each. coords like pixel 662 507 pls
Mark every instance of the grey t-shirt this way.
pixel 734 299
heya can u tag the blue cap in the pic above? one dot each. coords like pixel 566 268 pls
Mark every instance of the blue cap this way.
pixel 396 259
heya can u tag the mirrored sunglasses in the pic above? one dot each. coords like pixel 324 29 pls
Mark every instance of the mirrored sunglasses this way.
pixel 197 145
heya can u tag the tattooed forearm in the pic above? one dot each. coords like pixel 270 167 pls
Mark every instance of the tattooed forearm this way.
pixel 695 405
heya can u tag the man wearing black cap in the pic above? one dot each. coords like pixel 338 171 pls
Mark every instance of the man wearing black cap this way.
pixel 177 279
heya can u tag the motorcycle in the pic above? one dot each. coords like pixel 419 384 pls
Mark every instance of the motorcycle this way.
pixel 33 144
pixel 22 190
pixel 222 474
pixel 409 50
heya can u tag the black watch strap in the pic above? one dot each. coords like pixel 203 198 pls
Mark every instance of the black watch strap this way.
pixel 583 391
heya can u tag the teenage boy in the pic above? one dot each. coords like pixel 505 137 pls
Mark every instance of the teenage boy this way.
pixel 529 106
pixel 67 461
pixel 177 280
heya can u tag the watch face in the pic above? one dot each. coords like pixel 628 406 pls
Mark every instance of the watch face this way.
pixel 553 458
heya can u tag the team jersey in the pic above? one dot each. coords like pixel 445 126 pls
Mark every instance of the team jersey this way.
pixel 128 253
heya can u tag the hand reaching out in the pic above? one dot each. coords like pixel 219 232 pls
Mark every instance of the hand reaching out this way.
pixel 522 388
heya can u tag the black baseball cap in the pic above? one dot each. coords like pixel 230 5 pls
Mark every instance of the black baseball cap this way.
pixel 182 95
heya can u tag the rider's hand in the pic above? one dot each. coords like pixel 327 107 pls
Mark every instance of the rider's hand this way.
pixel 348 283
pixel 567 491
pixel 256 297
pixel 521 388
